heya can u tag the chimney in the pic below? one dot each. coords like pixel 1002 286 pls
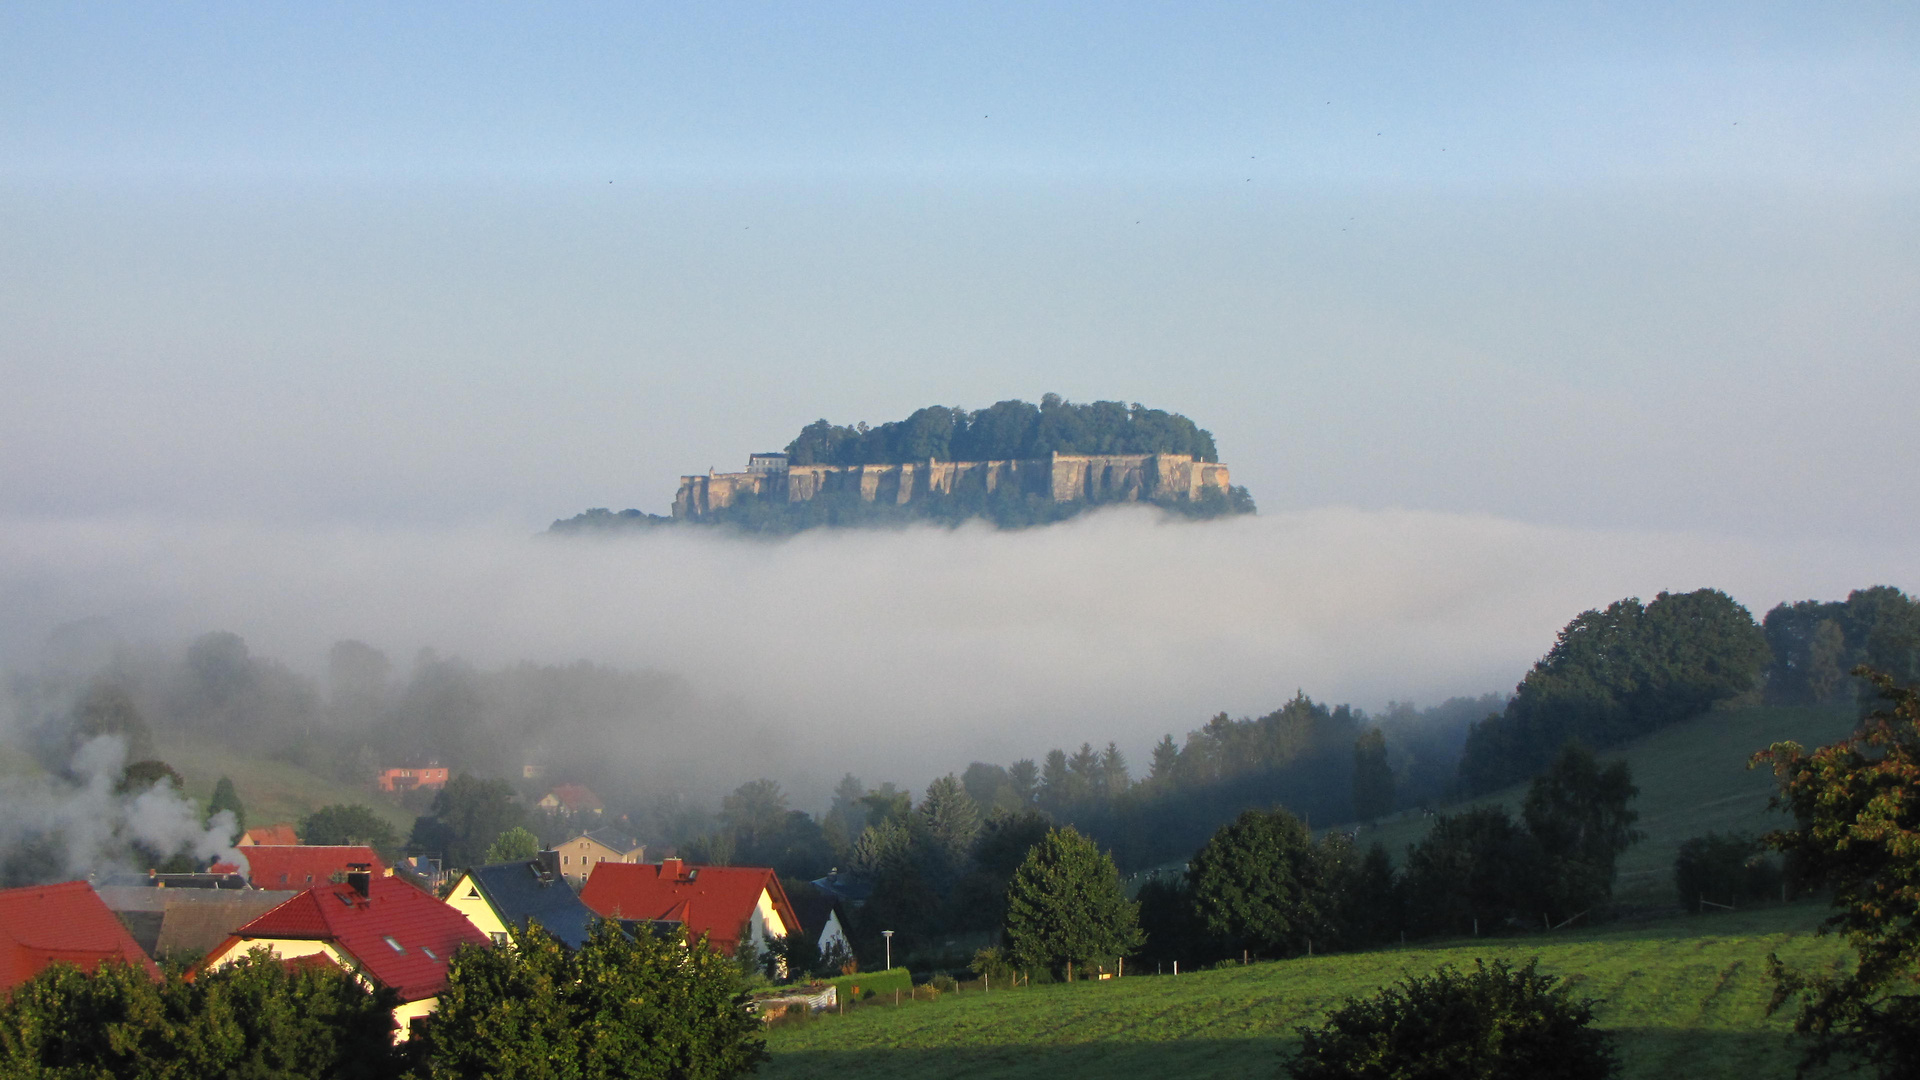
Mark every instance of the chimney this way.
pixel 362 882
pixel 671 868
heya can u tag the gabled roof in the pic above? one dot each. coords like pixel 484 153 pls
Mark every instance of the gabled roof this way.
pixel 46 924
pixel 519 891
pixel 711 900
pixel 186 922
pixel 611 838
pixel 575 798
pixel 281 835
pixel 814 911
pixel 302 866
pixel 397 935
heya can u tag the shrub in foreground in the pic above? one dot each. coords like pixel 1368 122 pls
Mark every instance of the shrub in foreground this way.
pixel 622 1006
pixel 255 1018
pixel 1491 1023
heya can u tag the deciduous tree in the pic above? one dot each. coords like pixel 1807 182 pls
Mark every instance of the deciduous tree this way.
pixel 348 823
pixel 1257 884
pixel 1065 906
pixel 1857 805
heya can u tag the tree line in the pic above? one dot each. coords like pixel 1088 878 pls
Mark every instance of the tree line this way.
pixel 1007 430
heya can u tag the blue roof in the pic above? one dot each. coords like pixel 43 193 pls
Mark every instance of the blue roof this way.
pixel 520 891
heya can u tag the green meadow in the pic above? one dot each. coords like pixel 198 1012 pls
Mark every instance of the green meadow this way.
pixel 1693 779
pixel 1686 997
pixel 273 792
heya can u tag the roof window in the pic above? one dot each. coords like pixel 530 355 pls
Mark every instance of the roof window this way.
pixel 429 953
pixel 397 947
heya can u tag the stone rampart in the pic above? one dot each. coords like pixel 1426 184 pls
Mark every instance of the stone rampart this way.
pixel 1061 477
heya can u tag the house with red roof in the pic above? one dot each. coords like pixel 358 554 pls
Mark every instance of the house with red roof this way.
pixel 572 799
pixel 718 901
pixel 376 926
pixel 276 835
pixel 302 866
pixel 432 776
pixel 66 923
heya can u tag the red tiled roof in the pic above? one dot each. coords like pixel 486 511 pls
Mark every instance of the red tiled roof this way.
pixel 711 900
pixel 301 866
pixel 575 797
pixel 44 924
pixel 426 931
pixel 280 835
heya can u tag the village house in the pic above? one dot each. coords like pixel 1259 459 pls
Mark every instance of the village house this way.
pixel 822 923
pixel 581 854
pixel 432 776
pixel 376 926
pixel 302 866
pixel 504 897
pixel 65 923
pixel 724 903
pixel 571 799
pixel 271 835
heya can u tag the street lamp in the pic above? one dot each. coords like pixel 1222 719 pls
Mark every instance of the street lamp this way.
pixel 888 934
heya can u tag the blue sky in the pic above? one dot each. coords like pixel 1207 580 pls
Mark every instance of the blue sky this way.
pixel 1592 265
pixel 309 317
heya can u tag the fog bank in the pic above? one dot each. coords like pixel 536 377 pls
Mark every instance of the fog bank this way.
pixel 902 655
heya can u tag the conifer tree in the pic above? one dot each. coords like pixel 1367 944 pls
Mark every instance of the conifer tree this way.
pixel 226 798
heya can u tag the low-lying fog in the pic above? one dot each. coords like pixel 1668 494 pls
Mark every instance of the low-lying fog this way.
pixel 903 655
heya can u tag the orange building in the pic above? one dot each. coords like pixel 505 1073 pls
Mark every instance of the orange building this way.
pixel 401 780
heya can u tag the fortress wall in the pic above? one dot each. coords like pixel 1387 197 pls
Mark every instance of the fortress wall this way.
pixel 1061 477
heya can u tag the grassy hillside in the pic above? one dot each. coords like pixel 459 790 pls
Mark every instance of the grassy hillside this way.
pixel 1693 779
pixel 272 791
pixel 1686 997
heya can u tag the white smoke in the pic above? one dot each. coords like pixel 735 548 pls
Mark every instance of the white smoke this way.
pixel 59 828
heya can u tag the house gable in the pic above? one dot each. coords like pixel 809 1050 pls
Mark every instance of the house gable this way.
pixel 717 901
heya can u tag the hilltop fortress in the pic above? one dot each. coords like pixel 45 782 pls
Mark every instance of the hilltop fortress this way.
pixel 1061 477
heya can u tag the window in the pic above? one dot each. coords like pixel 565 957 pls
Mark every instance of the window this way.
pixel 397 947
pixel 429 953
pixel 499 937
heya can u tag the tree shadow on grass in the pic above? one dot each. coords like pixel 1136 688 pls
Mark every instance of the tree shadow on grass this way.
pixel 1254 1057
pixel 1646 1053
pixel 1667 1053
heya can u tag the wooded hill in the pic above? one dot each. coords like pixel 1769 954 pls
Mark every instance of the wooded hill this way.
pixel 1008 430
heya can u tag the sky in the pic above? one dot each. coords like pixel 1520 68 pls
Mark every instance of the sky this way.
pixel 1637 280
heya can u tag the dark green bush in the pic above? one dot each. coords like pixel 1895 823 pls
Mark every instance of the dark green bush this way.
pixel 1733 870
pixel 1491 1023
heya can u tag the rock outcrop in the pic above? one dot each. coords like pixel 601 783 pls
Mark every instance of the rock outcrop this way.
pixel 1060 477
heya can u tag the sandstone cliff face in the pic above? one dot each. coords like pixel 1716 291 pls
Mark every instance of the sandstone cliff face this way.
pixel 1061 477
